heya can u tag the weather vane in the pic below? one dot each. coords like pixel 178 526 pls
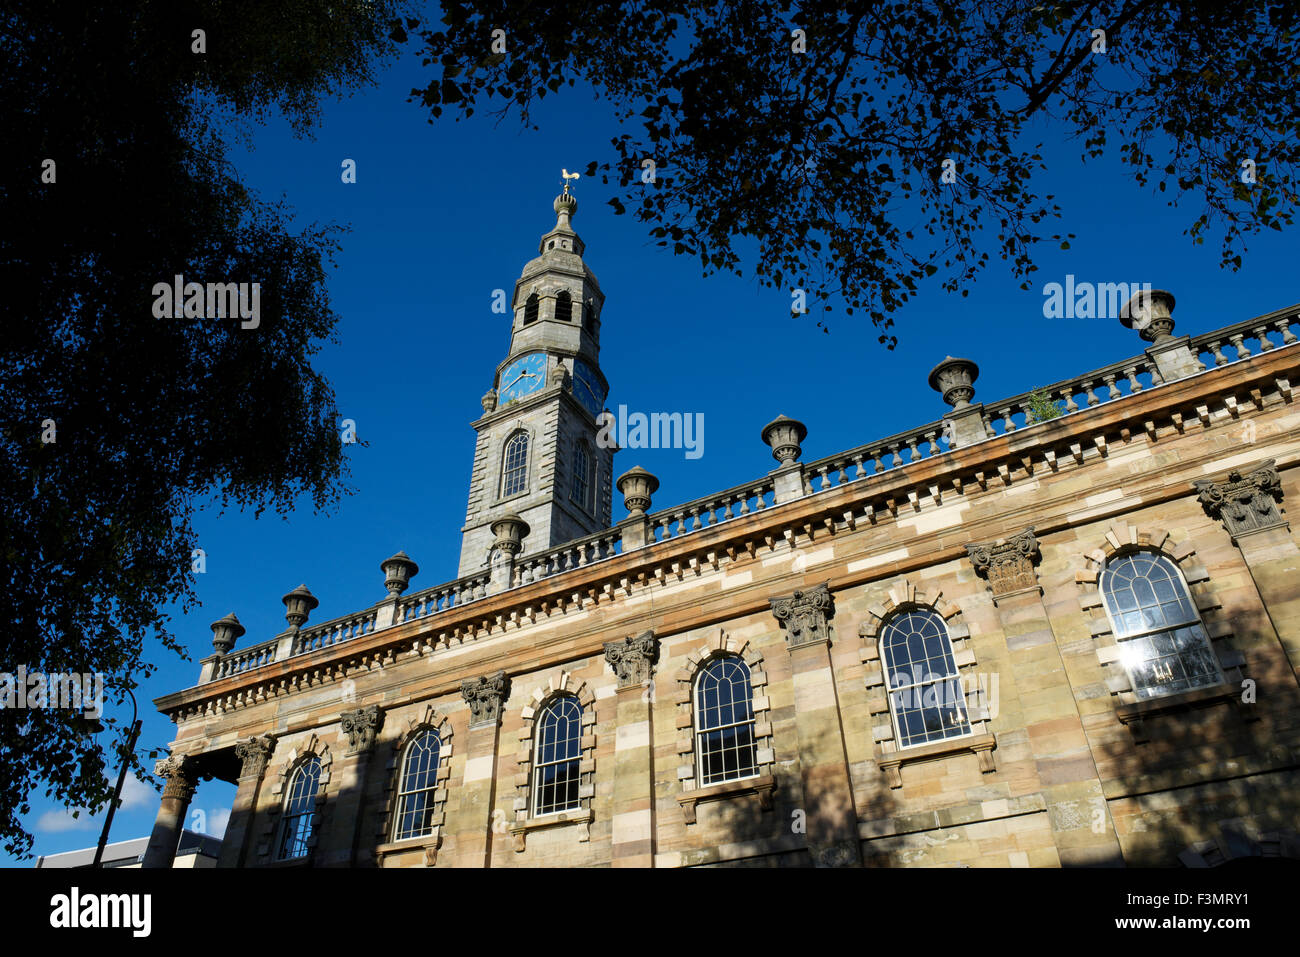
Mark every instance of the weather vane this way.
pixel 566 175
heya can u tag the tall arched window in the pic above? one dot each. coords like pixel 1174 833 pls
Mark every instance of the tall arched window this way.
pixel 418 781
pixel 564 307
pixel 558 756
pixel 299 809
pixel 514 465
pixel 581 476
pixel 925 693
pixel 724 719
pixel 1163 643
pixel 530 309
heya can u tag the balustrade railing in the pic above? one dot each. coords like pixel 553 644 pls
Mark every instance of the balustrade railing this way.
pixel 245 659
pixel 430 601
pixel 1127 377
pixel 710 510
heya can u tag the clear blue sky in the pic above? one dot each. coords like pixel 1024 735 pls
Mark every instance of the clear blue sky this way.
pixel 443 215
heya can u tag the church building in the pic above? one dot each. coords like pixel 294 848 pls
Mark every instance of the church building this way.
pixel 1061 629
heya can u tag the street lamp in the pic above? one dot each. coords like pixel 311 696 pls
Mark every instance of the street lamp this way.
pixel 121 779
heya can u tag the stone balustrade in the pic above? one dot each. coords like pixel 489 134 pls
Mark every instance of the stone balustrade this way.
pixel 333 632
pixel 954 378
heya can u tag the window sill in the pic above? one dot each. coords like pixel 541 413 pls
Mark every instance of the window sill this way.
pixel 1134 716
pixel 521 829
pixel 764 785
pixel 981 745
pixel 429 843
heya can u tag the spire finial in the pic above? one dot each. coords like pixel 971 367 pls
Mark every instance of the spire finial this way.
pixel 566 176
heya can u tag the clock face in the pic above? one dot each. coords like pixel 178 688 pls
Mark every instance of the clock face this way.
pixel 525 375
pixel 587 388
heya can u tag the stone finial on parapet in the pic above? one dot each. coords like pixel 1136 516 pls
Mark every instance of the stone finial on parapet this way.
pixel 954 379
pixel 510 532
pixel 298 604
pixel 1150 313
pixel 785 436
pixel 225 632
pixel 398 572
pixel 637 486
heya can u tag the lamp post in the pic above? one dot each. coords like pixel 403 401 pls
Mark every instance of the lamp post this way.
pixel 121 779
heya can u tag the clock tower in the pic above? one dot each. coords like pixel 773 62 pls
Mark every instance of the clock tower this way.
pixel 537 455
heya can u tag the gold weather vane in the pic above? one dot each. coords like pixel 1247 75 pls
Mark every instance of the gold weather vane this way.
pixel 566 176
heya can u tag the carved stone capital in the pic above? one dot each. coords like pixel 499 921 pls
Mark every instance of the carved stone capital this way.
pixel 181 774
pixel 361 726
pixel 1244 503
pixel 804 615
pixel 253 754
pixel 633 659
pixel 1008 565
pixel 485 695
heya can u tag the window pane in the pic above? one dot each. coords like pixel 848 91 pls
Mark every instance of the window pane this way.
pixel 724 719
pixel 559 746
pixel 926 695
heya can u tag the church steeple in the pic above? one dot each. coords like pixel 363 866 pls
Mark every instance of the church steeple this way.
pixel 537 455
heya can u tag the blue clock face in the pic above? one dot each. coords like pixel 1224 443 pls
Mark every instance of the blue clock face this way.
pixel 525 375
pixel 587 388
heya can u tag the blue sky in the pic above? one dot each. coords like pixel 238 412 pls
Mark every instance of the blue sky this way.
pixel 442 215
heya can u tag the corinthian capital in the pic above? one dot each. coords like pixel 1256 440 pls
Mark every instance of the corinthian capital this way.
pixel 485 695
pixel 1244 503
pixel 180 771
pixel 804 615
pixel 360 726
pixel 633 658
pixel 1008 565
pixel 253 754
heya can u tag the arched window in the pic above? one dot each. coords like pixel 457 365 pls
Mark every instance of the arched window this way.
pixel 925 693
pixel 581 476
pixel 530 309
pixel 1163 643
pixel 299 809
pixel 564 307
pixel 558 756
pixel 514 465
pixel 724 719
pixel 415 792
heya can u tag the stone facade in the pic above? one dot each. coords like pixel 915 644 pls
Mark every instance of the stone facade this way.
pixel 1002 540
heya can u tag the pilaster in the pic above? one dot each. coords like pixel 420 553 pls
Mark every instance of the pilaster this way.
pixel 1077 811
pixel 473 820
pixel 253 754
pixel 831 814
pixel 633 813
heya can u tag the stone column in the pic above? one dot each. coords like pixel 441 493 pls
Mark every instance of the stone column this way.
pixel 341 849
pixel 1067 773
pixel 831 815
pixel 473 820
pixel 1247 506
pixel 253 754
pixel 633 660
pixel 181 775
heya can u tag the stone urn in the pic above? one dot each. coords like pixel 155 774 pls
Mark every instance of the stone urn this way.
pixel 637 485
pixel 784 434
pixel 489 401
pixel 1150 312
pixel 298 605
pixel 954 379
pixel 225 632
pixel 510 531
pixel 398 572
